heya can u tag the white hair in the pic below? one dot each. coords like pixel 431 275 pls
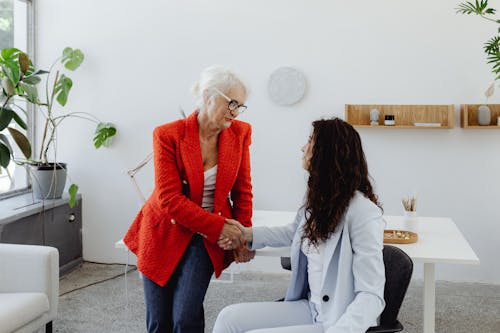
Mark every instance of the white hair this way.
pixel 218 77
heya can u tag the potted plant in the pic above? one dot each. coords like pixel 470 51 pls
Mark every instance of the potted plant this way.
pixel 491 48
pixel 20 82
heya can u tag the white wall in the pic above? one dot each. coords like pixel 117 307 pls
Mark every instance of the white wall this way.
pixel 142 57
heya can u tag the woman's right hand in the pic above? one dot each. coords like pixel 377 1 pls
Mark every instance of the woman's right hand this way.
pixel 246 231
pixel 230 237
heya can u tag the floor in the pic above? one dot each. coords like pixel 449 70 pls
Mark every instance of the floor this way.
pixel 99 298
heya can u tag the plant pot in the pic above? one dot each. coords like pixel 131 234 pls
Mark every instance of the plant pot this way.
pixel 48 180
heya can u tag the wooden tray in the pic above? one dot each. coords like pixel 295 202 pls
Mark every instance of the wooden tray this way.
pixel 399 237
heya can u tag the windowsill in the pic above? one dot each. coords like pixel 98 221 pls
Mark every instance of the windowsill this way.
pixel 15 193
pixel 23 205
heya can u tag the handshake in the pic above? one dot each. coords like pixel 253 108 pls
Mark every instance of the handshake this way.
pixel 234 236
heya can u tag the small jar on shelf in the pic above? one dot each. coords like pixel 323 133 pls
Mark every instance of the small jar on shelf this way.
pixel 389 120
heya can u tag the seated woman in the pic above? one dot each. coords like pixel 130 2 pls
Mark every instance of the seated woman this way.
pixel 338 275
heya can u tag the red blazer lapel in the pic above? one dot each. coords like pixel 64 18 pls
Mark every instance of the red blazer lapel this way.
pixel 190 151
pixel 227 165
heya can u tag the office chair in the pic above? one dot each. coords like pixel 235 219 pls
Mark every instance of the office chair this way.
pixel 398 271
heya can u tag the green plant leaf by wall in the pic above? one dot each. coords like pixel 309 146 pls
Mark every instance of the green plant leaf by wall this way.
pixel 73 190
pixel 104 134
pixel 62 89
pixel 72 59
pixel 31 92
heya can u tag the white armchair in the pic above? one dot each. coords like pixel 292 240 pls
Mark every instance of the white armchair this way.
pixel 29 287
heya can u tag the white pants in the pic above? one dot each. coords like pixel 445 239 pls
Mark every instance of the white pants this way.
pixel 267 317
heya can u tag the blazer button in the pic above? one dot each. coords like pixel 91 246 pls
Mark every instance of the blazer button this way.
pixel 172 221
pixel 219 213
pixel 326 298
pixel 184 181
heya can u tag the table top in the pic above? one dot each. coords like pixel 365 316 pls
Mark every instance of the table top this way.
pixel 439 239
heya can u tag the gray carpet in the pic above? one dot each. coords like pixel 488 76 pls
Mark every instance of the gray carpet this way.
pixel 89 307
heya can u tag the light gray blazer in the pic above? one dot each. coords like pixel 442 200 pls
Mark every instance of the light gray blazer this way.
pixel 353 268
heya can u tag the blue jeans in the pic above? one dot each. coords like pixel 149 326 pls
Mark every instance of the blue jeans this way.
pixel 178 306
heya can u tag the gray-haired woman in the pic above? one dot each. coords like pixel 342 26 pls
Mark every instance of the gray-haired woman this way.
pixel 201 162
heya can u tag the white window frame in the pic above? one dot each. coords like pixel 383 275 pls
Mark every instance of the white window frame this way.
pixel 31 50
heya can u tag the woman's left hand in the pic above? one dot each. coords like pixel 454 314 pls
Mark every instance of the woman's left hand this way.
pixel 242 254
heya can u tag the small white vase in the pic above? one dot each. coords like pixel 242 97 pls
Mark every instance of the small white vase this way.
pixel 410 221
pixel 483 115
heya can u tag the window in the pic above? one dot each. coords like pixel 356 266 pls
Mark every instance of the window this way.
pixel 16 30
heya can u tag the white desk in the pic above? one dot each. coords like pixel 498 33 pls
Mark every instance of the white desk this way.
pixel 440 241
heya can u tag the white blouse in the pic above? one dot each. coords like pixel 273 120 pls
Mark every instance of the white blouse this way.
pixel 315 272
pixel 209 189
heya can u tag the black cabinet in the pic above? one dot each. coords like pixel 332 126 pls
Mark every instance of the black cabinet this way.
pixel 52 223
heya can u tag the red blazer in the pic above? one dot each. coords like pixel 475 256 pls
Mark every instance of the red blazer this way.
pixel 162 230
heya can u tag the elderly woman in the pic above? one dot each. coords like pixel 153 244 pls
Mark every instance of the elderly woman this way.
pixel 202 178
pixel 338 275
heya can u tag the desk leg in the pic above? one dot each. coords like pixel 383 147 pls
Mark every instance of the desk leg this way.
pixel 429 298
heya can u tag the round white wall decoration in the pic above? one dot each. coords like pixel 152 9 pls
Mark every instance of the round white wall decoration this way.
pixel 286 86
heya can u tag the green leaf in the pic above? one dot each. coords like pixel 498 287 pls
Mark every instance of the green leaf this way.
pixel 62 88
pixel 31 79
pixel 492 45
pixel 31 92
pixel 8 87
pixel 9 54
pixel 493 57
pixel 73 190
pixel 12 71
pixel 4 155
pixel 5 141
pixel 104 134
pixel 5 117
pixel 14 59
pixel 19 120
pixel 40 72
pixel 72 59
pixel 478 8
pixel 21 141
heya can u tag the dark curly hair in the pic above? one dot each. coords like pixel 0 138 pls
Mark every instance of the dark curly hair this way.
pixel 337 170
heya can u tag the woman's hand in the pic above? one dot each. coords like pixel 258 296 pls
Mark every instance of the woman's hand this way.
pixel 242 254
pixel 246 231
pixel 230 237
pixel 227 243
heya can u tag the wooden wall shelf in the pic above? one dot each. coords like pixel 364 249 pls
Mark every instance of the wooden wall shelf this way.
pixel 406 116
pixel 468 116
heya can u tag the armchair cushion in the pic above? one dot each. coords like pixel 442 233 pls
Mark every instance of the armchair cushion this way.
pixel 29 287
pixel 18 309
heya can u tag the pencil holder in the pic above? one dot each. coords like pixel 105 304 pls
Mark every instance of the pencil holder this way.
pixel 410 221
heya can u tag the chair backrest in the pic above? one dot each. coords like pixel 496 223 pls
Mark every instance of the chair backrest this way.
pixel 398 271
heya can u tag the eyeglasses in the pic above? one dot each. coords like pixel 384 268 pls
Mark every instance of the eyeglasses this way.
pixel 232 103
